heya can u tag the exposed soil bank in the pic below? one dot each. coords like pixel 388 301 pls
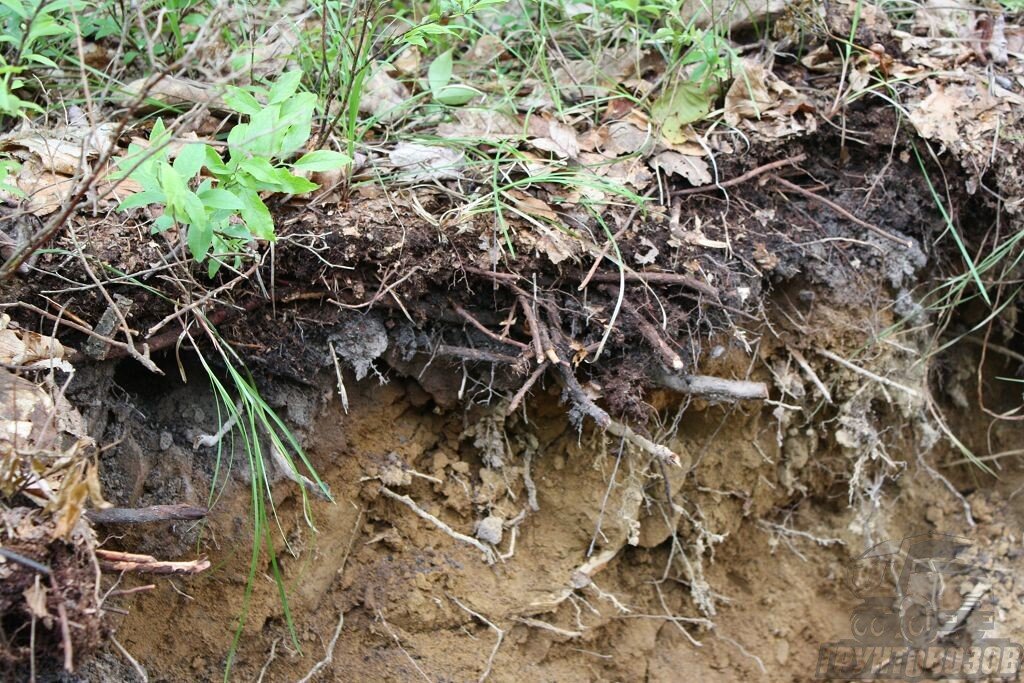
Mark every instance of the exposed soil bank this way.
pixel 605 580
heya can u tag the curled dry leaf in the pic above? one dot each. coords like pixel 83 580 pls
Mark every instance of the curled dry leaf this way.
pixel 761 101
pixel 22 347
pixel 177 92
pixel 558 138
pixel 383 97
pixel 416 162
pixel 408 62
pixel 26 413
pixel 693 169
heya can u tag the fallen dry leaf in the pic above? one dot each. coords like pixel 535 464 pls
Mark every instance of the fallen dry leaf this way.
pixel 416 162
pixel 383 97
pixel 531 205
pixel 46 191
pixel 176 92
pixel 26 412
pixel 748 95
pixel 21 347
pixel 486 125
pixel 626 138
pixel 559 139
pixel 693 169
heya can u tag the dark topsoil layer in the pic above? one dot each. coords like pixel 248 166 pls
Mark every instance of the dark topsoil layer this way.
pixel 377 258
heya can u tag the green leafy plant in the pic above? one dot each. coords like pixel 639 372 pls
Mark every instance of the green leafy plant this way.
pixel 222 209
pixel 32 33
pixel 443 91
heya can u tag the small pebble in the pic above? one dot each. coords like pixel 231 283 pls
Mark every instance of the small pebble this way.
pixel 490 530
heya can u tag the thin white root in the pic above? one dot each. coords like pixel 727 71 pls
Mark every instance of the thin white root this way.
pixel 811 374
pixel 139 669
pixel 537 623
pixel 398 642
pixel 411 504
pixel 531 488
pixel 786 531
pixel 713 388
pixel 342 394
pixel 867 373
pixel 500 632
pixel 938 476
pixel 744 651
pixel 270 660
pixel 329 655
pixel 210 440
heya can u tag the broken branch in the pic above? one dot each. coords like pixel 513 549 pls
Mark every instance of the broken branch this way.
pixel 791 161
pixel 153 513
pixel 842 212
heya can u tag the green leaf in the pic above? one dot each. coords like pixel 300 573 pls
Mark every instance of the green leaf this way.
pixel 276 179
pixel 293 184
pixel 242 101
pixel 239 138
pixel 679 106
pixel 260 169
pixel 17 7
pixel 285 87
pixel 163 223
pixel 174 188
pixel 256 215
pixel 217 198
pixel 200 237
pixel 455 95
pixel 144 198
pixel 190 160
pixel 297 118
pixel 322 160
pixel 440 72
pixel 214 164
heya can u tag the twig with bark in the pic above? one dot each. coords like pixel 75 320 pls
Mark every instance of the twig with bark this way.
pixel 146 515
